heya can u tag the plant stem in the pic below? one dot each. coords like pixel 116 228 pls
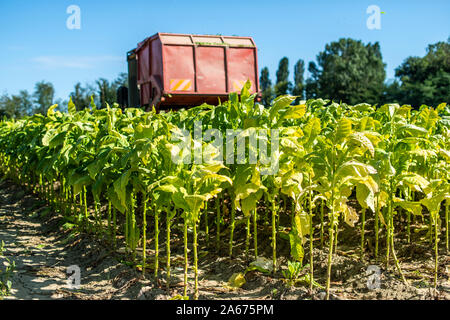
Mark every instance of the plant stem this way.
pixel 255 233
pixel 109 220
pixel 311 239
pixel 144 235
pixel 85 206
pixel 247 237
pixel 97 223
pixel 397 264
pixel 156 242
pixel 408 226
pixel 133 227
pixel 321 223
pixel 337 233
pixel 217 223
pixel 195 263
pixel 274 237
pixel 80 214
pixel 430 228
pixel 233 212
pixel 363 224
pixel 127 221
pixel 330 252
pixel 388 241
pixel 377 212
pixel 185 235
pixel 446 225
pixel 206 224
pixel 436 251
pixel 168 249
pixel 114 227
pixel 391 236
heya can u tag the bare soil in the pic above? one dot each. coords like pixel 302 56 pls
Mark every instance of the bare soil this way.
pixel 42 246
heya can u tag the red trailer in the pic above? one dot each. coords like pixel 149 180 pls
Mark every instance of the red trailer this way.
pixel 170 70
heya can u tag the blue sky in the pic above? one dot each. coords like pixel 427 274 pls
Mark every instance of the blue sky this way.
pixel 36 44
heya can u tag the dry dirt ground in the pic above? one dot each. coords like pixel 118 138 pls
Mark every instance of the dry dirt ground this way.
pixel 42 246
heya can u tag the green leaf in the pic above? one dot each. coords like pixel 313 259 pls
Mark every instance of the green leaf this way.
pixel 414 181
pixel 411 130
pixel 249 203
pixel 79 183
pixel 365 196
pixel 294 112
pixel 311 130
pixel 120 187
pixel 433 203
pixel 48 136
pixel 280 103
pixel 344 129
pixel 353 169
pixel 195 203
pixel 261 264
pixel 237 280
pixel 93 106
pixel 71 107
pixel 296 243
pixel 168 188
pixel 411 206
pixel 51 110
pixel 360 140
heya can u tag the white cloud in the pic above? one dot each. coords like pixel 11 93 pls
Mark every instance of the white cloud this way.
pixel 76 62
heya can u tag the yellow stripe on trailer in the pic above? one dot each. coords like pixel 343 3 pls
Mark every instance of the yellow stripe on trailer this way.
pixel 180 84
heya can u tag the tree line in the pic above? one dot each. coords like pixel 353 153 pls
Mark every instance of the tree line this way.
pixel 26 103
pixel 353 72
pixel 346 71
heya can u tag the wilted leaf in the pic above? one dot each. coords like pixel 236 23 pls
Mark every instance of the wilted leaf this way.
pixel 237 280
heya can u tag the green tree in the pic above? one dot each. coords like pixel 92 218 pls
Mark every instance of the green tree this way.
pixel 16 106
pixel 426 80
pixel 81 96
pixel 266 87
pixel 348 71
pixel 299 70
pixel 311 84
pixel 283 85
pixel 107 91
pixel 43 95
pixel 121 80
pixel 25 103
pixel 393 93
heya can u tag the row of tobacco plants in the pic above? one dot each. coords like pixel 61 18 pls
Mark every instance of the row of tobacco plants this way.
pixel 111 171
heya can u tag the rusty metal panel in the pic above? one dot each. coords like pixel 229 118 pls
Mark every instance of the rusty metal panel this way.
pixel 247 42
pixel 210 65
pixel 143 62
pixel 157 61
pixel 179 74
pixel 241 67
pixel 207 39
pixel 144 73
pixel 175 39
